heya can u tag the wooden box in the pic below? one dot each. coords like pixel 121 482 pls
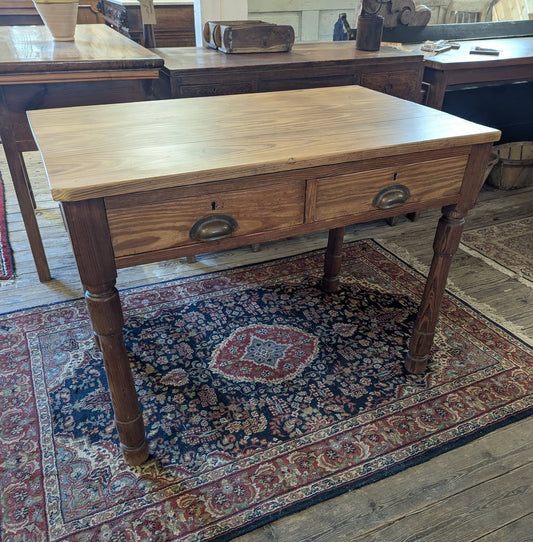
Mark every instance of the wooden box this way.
pixel 248 36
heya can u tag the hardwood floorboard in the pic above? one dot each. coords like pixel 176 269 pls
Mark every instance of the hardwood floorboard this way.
pixel 467 515
pixel 410 505
pixel 480 491
pixel 514 531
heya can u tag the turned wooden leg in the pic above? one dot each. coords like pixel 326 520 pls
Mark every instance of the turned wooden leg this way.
pixel 107 322
pixel 446 242
pixel 21 183
pixel 91 241
pixel 333 260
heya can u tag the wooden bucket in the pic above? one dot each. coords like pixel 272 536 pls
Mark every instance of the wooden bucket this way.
pixel 514 168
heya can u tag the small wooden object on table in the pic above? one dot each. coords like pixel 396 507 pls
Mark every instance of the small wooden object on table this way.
pixel 248 36
pixel 201 71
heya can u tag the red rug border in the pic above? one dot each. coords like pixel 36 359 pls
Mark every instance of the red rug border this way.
pixel 395 469
pixel 448 292
pixel 371 479
pixel 7 267
pixel 374 477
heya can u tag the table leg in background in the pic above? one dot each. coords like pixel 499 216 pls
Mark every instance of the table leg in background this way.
pixel 23 192
pixel 333 260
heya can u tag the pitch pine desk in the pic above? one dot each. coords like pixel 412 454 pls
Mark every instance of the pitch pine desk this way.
pixel 457 67
pixel 36 72
pixel 214 173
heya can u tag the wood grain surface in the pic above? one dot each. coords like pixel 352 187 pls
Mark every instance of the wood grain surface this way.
pixel 512 51
pixel 29 53
pixel 335 52
pixel 105 150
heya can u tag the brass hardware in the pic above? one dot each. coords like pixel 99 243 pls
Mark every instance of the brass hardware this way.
pixel 392 196
pixel 213 228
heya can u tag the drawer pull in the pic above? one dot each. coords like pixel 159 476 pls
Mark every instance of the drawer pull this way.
pixel 392 196
pixel 213 228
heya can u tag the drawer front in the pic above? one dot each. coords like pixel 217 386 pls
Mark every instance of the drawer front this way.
pixel 402 84
pixel 166 223
pixel 219 88
pixel 308 81
pixel 354 193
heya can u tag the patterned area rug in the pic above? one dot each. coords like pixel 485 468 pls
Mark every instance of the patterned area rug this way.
pixel 6 257
pixel 509 245
pixel 261 394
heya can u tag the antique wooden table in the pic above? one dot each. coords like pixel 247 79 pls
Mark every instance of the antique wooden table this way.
pixel 206 174
pixel 36 72
pixel 197 71
pixel 459 68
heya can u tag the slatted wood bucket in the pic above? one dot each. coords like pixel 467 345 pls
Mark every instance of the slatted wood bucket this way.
pixel 514 168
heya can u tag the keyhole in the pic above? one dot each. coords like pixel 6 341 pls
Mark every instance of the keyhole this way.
pixel 395 175
pixel 213 205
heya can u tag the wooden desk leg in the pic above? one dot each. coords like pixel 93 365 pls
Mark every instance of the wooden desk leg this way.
pixel 445 245
pixel 438 81
pixel 87 226
pixel 333 260
pixel 446 242
pixel 21 183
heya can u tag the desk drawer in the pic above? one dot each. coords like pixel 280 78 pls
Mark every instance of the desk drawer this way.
pixel 218 88
pixel 354 193
pixel 163 219
pixel 402 84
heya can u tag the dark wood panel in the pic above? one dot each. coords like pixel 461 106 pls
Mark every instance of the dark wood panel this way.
pixel 174 27
pixel 465 31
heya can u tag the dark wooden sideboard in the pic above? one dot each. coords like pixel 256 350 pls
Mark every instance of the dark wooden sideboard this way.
pixel 197 71
pixel 99 67
pixel 174 27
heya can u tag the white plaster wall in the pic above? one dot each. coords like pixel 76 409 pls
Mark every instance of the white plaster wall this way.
pixel 312 20
pixel 217 10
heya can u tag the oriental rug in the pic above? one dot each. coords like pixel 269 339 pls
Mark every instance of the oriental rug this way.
pixel 508 245
pixel 261 396
pixel 6 256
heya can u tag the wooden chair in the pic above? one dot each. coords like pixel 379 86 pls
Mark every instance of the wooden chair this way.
pixel 468 11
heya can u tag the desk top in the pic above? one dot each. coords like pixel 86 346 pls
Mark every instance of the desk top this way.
pixel 29 54
pixel 125 148
pixel 513 51
pixel 334 52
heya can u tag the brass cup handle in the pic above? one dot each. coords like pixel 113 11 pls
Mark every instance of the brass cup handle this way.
pixel 213 228
pixel 391 196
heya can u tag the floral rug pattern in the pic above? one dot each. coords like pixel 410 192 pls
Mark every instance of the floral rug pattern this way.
pixel 260 395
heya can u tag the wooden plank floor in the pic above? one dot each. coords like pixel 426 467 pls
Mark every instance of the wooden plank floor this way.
pixel 479 492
